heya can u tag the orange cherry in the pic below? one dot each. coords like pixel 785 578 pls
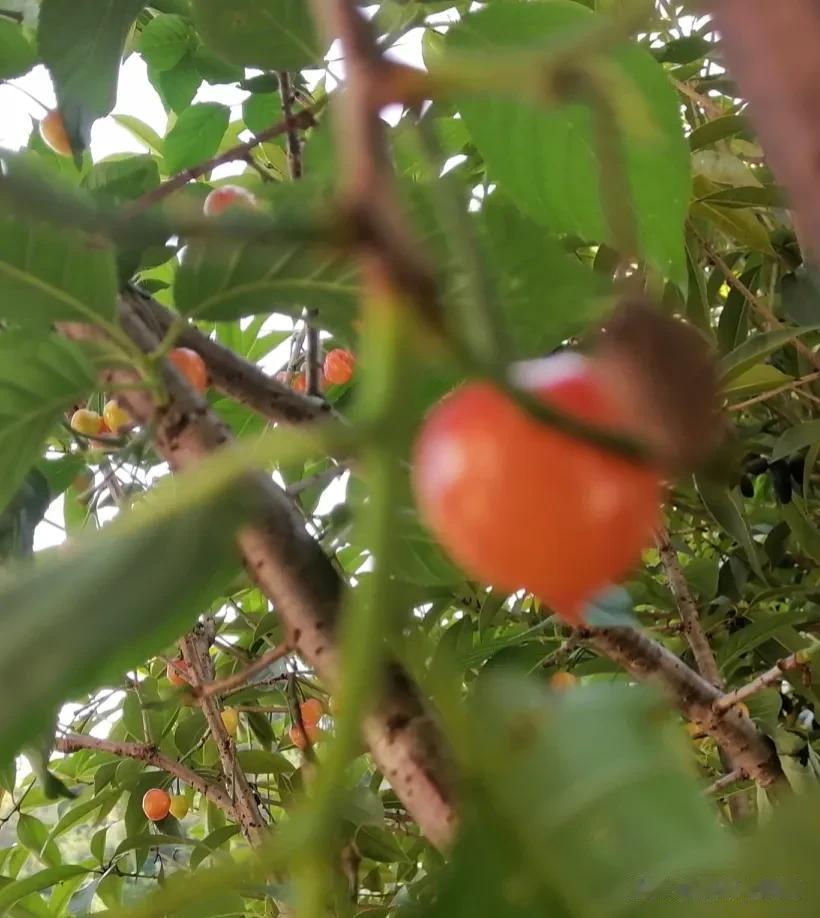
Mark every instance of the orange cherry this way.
pixel 299 382
pixel 304 738
pixel 520 504
pixel 177 673
pixel 311 711
pixel 156 804
pixel 192 367
pixel 339 366
pixel 226 197
pixel 561 681
pixel 53 132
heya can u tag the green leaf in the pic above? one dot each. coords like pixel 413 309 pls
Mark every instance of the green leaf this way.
pixel 24 511
pixel 546 159
pixel 123 178
pixel 228 279
pixel 379 845
pixel 141 131
pixel 195 136
pixel 263 762
pixel 756 379
pixel 177 86
pixel 796 438
pixel 269 34
pixel 97 844
pixel 756 348
pixel 717 129
pixel 39 379
pixel 33 835
pixel 546 293
pixel 212 842
pixel 48 275
pixel 155 840
pixel 103 613
pixel 755 634
pixel 726 510
pixel 17 55
pixel 573 829
pixel 78 811
pixel 166 40
pixel 13 892
pixel 81 42
pixel 261 110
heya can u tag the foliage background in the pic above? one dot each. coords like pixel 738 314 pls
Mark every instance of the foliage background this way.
pixel 580 803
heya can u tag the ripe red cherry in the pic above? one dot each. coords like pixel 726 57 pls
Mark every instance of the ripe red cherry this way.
pixel 339 366
pixel 519 504
pixel 156 804
pixel 192 367
pixel 225 197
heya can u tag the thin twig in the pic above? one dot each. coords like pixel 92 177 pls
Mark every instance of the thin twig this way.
pixel 303 119
pixel 757 305
pixel 144 752
pixel 648 660
pixel 772 676
pixel 765 396
pixel 731 777
pixel 235 680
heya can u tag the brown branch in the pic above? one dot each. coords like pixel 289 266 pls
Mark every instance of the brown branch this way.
pixel 724 781
pixel 649 661
pixel 769 318
pixel 303 119
pixel 293 572
pixel 231 374
pixel 142 752
pixel 698 642
pixel 237 680
pixel 194 649
pixel 772 676
pixel 771 51
pixel 692 628
pixel 779 390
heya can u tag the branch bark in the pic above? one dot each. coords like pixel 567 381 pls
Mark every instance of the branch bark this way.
pixel 303 119
pixel 292 571
pixel 699 644
pixel 142 752
pixel 772 676
pixel 735 733
pixel 194 648
pixel 237 680
pixel 692 628
pixel 231 374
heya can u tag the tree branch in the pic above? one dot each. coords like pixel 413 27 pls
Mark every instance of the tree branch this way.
pixel 797 660
pixel 194 648
pixel 735 733
pixel 724 781
pixel 236 680
pixel 303 119
pixel 73 742
pixel 692 628
pixel 231 374
pixel 293 572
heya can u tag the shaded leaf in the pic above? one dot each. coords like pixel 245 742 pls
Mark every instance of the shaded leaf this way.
pixel 81 42
pixel 546 159
pixel 269 34
pixel 39 379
